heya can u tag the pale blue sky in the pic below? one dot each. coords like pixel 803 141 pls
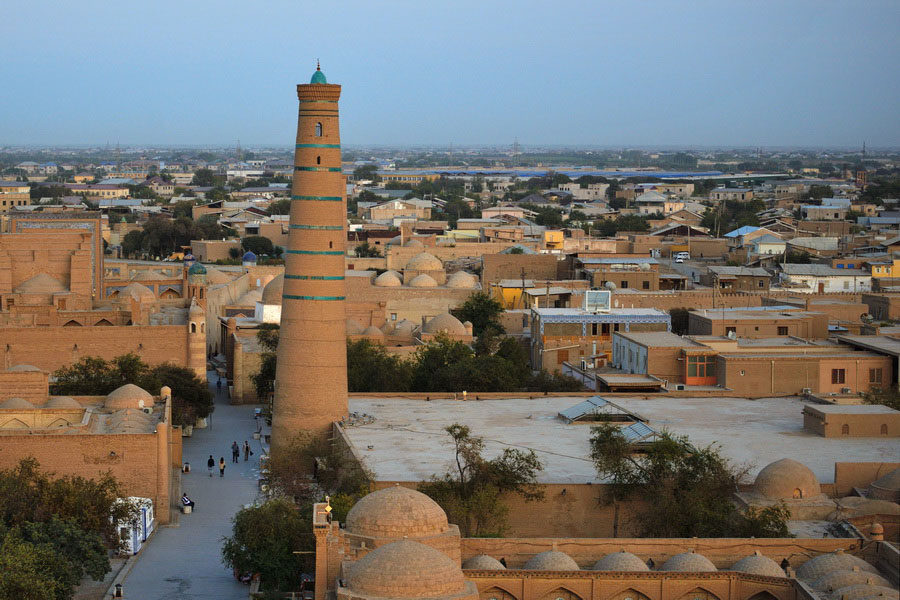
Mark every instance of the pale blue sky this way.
pixel 725 72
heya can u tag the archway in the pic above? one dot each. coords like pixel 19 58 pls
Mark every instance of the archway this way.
pixel 72 323
pixel 496 593
pixel 798 494
pixel 699 594
pixel 561 594
pixel 629 594
pixel 14 424
pixel 102 323
pixel 884 429
pixel 845 429
pixel 763 595
pixel 59 423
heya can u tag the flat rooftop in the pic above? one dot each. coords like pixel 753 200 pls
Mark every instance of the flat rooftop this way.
pixel 852 409
pixel 659 339
pixel 408 442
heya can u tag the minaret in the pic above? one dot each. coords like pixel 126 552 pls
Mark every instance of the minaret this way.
pixel 311 376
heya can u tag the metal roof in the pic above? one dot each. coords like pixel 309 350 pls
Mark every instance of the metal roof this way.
pixel 595 406
pixel 639 432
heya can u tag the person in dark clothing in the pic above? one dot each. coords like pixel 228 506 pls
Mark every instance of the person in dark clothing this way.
pixel 235 452
pixel 246 450
pixel 210 464
pixel 187 501
pixel 221 466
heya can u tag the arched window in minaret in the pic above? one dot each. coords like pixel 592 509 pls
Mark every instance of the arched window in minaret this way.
pixel 318 160
pixel 318 130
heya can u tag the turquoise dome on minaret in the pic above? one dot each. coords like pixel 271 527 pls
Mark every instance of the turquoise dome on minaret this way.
pixel 318 76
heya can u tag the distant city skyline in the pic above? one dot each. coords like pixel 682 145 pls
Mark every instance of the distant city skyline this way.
pixel 579 74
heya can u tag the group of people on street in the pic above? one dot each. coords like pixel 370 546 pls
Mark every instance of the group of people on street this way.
pixel 236 451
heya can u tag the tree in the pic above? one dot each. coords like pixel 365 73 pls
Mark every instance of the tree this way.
pixel 263 541
pixel 482 310
pixel 817 192
pixel 264 379
pixel 472 493
pixel 370 368
pixel 691 488
pixel 83 551
pixel 31 572
pixel 204 178
pixel 364 250
pixel 280 207
pixel 889 396
pixel 258 245
pixel 798 258
pixel 369 172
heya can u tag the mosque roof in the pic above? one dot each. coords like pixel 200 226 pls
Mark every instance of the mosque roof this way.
pixel 824 564
pixel 757 564
pixel 388 279
pixel 41 284
pixel 482 562
pixel 620 561
pixel 413 243
pixel 22 368
pixel 781 479
pixel 445 322
pixel 423 261
pixel 551 560
pixel 128 396
pixel 249 298
pixel 406 569
pixel 62 402
pixel 248 257
pixel 197 269
pixel 216 276
pixel 353 327
pixel 272 292
pixel 841 579
pixel 16 404
pixel 461 279
pixel 859 591
pixel 373 332
pixel 423 280
pixel 395 512
pixel 139 290
pixel 689 562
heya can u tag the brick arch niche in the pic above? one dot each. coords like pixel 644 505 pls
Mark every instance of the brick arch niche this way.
pixel 561 593
pixel 629 594
pixel 763 595
pixel 496 593
pixel 699 594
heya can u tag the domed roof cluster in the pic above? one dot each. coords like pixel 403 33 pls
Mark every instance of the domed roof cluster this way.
pixel 689 562
pixel 401 328
pixel 841 579
pixel 445 323
pixel 620 561
pixel 388 279
pixel 461 279
pixel 787 479
pixel 271 294
pixel 423 261
pixel 216 277
pixel 128 396
pixel 16 404
pixel 865 591
pixel 423 280
pixel 757 564
pixel 373 332
pixel 413 243
pixel 148 275
pixel 551 560
pixel 408 569
pixel 482 562
pixel 886 487
pixel 824 564
pixel 62 402
pixel 396 512
pixel 41 284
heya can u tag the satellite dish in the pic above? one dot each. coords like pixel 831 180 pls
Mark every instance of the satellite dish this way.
pixel 610 285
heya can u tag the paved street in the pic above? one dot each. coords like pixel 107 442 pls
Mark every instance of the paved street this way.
pixel 184 562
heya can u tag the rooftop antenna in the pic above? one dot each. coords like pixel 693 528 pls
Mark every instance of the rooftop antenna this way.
pixel 239 152
pixel 864 150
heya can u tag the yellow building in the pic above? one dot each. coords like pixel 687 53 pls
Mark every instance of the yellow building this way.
pixel 886 268
pixel 14 193
pixel 410 178
pixel 554 239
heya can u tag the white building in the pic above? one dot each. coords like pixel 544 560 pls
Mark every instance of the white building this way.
pixel 811 279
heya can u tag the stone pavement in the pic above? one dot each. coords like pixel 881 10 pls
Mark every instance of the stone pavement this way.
pixel 185 562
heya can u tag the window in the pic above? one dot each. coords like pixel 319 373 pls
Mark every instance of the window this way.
pixel 701 365
pixel 761 283
pixel 875 375
pixel 645 284
pixel 563 356
pixel 846 285
pixel 318 130
pixel 884 429
pixel 837 375
pixel 624 284
pixel 845 429
pixel 594 328
pixel 782 330
pixel 730 330
pixel 393 316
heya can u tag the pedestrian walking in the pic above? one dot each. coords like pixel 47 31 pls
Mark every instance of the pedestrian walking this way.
pixel 247 451
pixel 219 385
pixel 221 466
pixel 235 451
pixel 210 464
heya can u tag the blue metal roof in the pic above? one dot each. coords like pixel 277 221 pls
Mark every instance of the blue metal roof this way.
pixel 741 231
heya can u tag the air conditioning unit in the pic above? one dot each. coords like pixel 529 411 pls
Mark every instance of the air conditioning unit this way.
pixel 679 387
pixel 147 410
pixel 807 391
pixel 846 391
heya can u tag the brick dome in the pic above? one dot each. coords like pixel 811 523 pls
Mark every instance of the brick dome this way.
pixel 620 561
pixel 482 562
pixel 62 402
pixel 413 243
pixel 250 298
pixel 551 560
pixel 445 322
pixel 396 512
pixel 787 479
pixel 128 396
pixel 887 487
pixel 829 563
pixel 407 569
pixel 841 579
pixel 423 280
pixel 216 277
pixel 461 279
pixel 373 332
pixel 388 279
pixel 757 564
pixel 16 404
pixel 689 562
pixel 862 591
pixel 423 261
pixel 139 291
pixel 353 327
pixel 41 284
pixel 22 368
pixel 271 294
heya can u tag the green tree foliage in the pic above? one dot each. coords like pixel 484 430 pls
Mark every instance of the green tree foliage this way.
pixel 206 178
pixel 371 368
pixel 798 258
pixel 83 551
pixel 609 227
pixel 472 493
pixel 369 172
pixel 263 541
pixel 31 571
pixel 281 206
pixel 691 488
pixel 161 235
pixel 364 250
pixel 482 310
pixel 264 379
pixel 258 245
pixel 889 396
pixel 732 214
pixel 94 376
pixel 817 192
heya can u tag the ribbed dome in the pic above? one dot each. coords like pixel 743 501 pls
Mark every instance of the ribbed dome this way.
pixel 406 569
pixel 620 561
pixel 423 280
pixel 829 563
pixel 197 269
pixel 445 322
pixel 22 369
pixel 353 327
pixel 373 332
pixel 482 562
pixel 757 564
pixel 16 404
pixel 551 560
pixel 41 284
pixel 862 591
pixel 139 291
pixel 249 299
pixel 887 487
pixel 388 279
pixel 461 279
pixel 395 512
pixel 62 402
pixel 787 479
pixel 128 396
pixel 423 261
pixel 248 257
pixel 271 294
pixel 318 77
pixel 842 579
pixel 413 243
pixel 689 562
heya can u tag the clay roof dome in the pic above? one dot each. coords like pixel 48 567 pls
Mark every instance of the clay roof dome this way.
pixel 445 322
pixel 423 261
pixel 271 294
pixel 197 269
pixel 423 280
pixel 373 332
pixel 249 298
pixel 461 279
pixel 16 404
pixel 128 396
pixel 482 562
pixel 41 284
pixel 139 291
pixel 887 487
pixel 403 328
pixel 831 562
pixel 388 279
pixel 689 562
pixel 787 479
pixel 620 561
pixel 22 368
pixel 862 591
pixel 551 560
pixel 842 579
pixel 353 327
pixel 406 569
pixel 395 512
pixel 217 277
pixel 147 275
pixel 413 243
pixel 62 402
pixel 757 564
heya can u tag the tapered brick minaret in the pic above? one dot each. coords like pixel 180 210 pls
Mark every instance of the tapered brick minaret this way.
pixel 311 377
